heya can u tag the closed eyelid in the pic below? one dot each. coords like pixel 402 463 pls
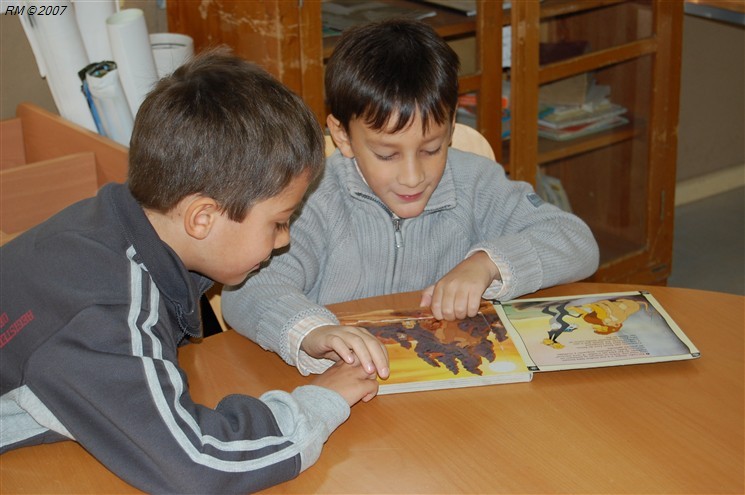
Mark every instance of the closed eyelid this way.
pixel 385 157
pixel 380 145
pixel 387 152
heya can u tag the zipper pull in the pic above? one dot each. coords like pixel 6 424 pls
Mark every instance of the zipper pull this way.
pixel 397 231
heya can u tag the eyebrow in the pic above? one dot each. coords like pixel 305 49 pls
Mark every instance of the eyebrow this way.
pixel 383 143
pixel 293 208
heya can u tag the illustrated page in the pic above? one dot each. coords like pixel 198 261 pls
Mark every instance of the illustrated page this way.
pixel 426 353
pixel 594 330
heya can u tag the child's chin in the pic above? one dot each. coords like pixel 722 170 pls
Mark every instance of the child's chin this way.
pixel 410 211
pixel 237 280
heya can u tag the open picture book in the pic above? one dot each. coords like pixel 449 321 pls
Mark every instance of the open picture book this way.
pixel 507 342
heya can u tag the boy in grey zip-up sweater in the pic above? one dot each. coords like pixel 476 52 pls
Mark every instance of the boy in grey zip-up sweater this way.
pixel 398 210
pixel 96 300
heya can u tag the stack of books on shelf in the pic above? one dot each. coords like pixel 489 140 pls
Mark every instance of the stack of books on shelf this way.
pixel 468 103
pixel 577 107
pixel 467 107
pixel 467 110
pixel 338 15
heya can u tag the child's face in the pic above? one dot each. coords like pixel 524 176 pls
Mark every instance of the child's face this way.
pixel 404 168
pixel 240 248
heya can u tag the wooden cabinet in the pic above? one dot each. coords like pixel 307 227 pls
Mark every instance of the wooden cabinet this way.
pixel 620 181
pixel 285 37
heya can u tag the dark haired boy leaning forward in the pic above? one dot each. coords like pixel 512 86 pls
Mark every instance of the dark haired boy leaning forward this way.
pixel 100 296
pixel 399 210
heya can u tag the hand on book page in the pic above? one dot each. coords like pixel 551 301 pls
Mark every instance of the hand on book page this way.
pixel 458 294
pixel 350 344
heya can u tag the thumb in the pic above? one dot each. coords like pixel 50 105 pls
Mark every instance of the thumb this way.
pixel 426 301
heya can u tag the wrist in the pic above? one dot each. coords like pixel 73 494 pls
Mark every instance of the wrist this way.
pixel 483 258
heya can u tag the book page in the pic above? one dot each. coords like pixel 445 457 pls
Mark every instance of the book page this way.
pixel 593 330
pixel 427 354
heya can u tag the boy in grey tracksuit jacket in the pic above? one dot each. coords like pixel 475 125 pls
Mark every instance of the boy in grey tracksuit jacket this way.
pixel 398 210
pixel 95 301
pixel 89 354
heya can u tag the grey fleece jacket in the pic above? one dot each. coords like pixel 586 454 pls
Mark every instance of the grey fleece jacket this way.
pixel 346 245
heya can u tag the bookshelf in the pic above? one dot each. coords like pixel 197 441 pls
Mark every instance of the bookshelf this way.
pixel 621 181
pixel 285 37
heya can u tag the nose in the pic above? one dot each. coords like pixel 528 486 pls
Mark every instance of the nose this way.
pixel 411 173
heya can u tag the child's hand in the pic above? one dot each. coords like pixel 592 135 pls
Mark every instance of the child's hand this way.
pixel 348 344
pixel 350 381
pixel 458 293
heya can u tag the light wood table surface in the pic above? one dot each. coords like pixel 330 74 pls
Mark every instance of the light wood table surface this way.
pixel 654 428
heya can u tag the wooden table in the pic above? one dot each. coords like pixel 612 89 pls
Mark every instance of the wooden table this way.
pixel 656 428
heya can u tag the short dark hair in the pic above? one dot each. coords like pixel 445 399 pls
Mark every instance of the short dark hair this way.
pixel 222 127
pixel 397 65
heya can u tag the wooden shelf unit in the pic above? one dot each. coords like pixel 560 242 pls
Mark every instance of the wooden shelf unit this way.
pixel 620 181
pixel 285 37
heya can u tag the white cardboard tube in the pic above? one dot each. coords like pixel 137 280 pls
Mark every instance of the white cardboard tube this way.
pixel 62 49
pixel 114 111
pixel 130 46
pixel 170 50
pixel 91 17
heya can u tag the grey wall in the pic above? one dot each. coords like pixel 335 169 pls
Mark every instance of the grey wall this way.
pixel 711 133
pixel 19 74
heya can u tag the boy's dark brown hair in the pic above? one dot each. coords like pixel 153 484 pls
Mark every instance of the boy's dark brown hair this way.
pixel 397 65
pixel 221 127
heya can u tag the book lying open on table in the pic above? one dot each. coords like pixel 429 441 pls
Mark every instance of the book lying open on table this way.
pixel 508 341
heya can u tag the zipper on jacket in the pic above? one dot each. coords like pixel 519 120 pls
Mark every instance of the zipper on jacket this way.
pixel 398 236
pixel 397 232
pixel 396 220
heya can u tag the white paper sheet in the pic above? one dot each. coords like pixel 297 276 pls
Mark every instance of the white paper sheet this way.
pixel 91 17
pixel 57 41
pixel 130 46
pixel 170 50
pixel 112 105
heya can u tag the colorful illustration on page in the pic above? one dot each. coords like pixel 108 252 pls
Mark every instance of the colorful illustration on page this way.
pixel 421 347
pixel 592 329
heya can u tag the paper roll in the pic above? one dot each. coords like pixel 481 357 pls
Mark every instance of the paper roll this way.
pixel 91 17
pixel 33 40
pixel 108 95
pixel 60 45
pixel 170 50
pixel 130 46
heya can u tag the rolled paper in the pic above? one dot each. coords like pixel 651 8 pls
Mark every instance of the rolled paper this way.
pixel 170 50
pixel 130 46
pixel 108 95
pixel 58 42
pixel 91 17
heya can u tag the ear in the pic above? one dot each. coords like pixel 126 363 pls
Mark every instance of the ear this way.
pixel 201 213
pixel 340 136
